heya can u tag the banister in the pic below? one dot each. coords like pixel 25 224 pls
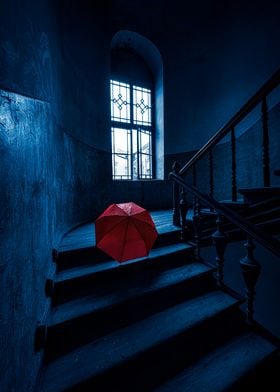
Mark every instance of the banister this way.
pixel 261 237
pixel 272 83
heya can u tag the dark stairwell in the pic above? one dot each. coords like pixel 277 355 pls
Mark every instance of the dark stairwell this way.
pixel 167 322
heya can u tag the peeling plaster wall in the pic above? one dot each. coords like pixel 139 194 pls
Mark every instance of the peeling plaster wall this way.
pixel 27 234
pixel 48 183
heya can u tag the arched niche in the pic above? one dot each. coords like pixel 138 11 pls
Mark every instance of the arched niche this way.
pixel 150 56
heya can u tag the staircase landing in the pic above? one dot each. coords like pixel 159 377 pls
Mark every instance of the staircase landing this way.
pixel 84 236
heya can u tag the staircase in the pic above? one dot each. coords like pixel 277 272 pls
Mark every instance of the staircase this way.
pixel 158 323
pixel 259 206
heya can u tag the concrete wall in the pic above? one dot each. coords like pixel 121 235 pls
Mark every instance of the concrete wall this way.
pixel 28 204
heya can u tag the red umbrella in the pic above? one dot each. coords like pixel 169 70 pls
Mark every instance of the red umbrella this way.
pixel 125 231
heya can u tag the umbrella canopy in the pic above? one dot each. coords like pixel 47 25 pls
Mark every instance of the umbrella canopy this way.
pixel 125 231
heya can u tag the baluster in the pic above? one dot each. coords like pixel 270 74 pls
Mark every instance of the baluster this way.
pixel 266 165
pixel 176 196
pixel 197 227
pixel 184 206
pixel 220 241
pixel 233 166
pixel 251 270
pixel 211 177
pixel 194 184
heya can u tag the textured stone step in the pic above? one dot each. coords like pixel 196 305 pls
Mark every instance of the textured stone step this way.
pixel 78 246
pixel 73 282
pixel 253 195
pixel 137 346
pixel 223 368
pixel 118 303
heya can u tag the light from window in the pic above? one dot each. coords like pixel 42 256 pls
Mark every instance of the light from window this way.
pixel 141 106
pixel 131 118
pixel 120 101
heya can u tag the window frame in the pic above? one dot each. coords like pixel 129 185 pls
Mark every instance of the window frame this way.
pixel 130 126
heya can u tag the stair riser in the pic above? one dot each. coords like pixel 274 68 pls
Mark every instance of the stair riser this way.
pixel 84 256
pixel 159 363
pixel 103 280
pixel 66 336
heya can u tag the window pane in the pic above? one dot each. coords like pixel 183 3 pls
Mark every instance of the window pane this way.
pixel 121 167
pixel 146 166
pixel 120 101
pixel 121 153
pixel 121 141
pixel 145 142
pixel 142 106
pixel 145 153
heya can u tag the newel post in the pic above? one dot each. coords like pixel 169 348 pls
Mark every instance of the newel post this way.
pixel 176 196
pixel 220 241
pixel 250 270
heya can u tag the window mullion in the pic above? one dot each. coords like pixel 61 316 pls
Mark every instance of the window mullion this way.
pixel 138 154
pixel 131 129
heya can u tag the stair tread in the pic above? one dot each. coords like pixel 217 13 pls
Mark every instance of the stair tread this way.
pixel 89 304
pixel 264 189
pixel 111 264
pixel 220 369
pixel 84 236
pixel 124 344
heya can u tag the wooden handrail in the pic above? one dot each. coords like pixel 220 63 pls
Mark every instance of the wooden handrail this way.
pixel 261 237
pixel 272 83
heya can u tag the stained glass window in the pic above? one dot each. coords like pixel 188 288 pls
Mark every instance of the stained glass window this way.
pixel 131 119
pixel 142 106
pixel 120 102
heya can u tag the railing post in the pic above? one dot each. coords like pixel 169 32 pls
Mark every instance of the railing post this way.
pixel 176 196
pixel 266 165
pixel 194 184
pixel 197 227
pixel 251 270
pixel 183 206
pixel 220 241
pixel 211 176
pixel 233 166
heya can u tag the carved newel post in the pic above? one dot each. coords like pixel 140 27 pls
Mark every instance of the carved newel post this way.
pixel 251 270
pixel 220 241
pixel 183 206
pixel 176 196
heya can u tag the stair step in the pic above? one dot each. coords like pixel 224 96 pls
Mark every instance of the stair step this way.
pixel 222 368
pixel 122 302
pixel 89 304
pixel 253 195
pixel 136 340
pixel 75 281
pixel 79 246
pixel 83 236
pixel 111 264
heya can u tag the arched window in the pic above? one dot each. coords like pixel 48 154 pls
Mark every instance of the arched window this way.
pixel 133 112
